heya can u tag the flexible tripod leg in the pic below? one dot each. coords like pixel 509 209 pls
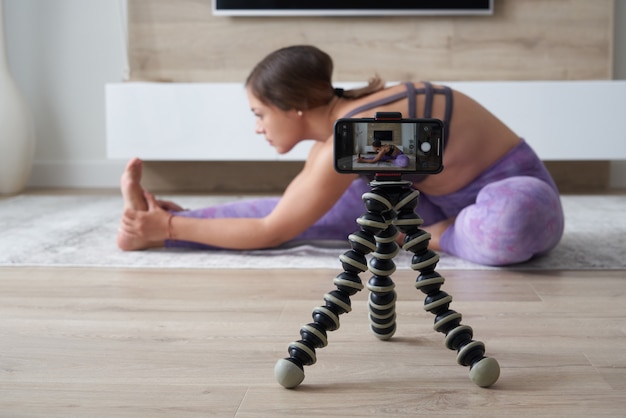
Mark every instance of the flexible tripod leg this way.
pixel 484 371
pixel 289 372
pixel 382 297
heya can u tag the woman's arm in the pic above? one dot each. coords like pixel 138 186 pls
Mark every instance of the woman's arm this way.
pixel 307 198
pixel 372 160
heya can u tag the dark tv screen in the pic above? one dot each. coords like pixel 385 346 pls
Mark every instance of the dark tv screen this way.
pixel 351 7
pixel 383 136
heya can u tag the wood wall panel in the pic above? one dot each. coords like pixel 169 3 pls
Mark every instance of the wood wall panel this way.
pixel 524 40
pixel 181 41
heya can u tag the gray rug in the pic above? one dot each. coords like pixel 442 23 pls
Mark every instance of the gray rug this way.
pixel 80 230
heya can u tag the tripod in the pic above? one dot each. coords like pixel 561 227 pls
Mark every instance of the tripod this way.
pixel 390 207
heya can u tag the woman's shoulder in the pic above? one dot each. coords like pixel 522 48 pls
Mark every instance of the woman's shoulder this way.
pixel 320 147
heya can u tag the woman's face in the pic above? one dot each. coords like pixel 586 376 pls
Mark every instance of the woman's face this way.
pixel 280 127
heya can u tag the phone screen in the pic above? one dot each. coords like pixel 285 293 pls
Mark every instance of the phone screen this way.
pixel 400 146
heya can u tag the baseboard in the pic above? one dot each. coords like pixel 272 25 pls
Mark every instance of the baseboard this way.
pixel 580 176
pixel 223 177
pixel 273 177
pixel 618 175
pixel 262 176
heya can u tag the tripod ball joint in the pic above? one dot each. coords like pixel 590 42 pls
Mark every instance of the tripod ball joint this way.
pixel 362 242
pixel 315 334
pixel 353 261
pixel 348 282
pixel 416 241
pixel 382 266
pixel 372 223
pixel 377 202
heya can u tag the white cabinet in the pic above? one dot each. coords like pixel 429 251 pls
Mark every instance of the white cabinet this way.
pixel 561 120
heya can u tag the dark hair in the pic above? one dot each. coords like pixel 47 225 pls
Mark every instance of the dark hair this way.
pixel 377 143
pixel 300 77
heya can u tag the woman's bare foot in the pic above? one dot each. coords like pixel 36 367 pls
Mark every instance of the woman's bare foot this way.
pixel 436 230
pixel 130 185
pixel 129 242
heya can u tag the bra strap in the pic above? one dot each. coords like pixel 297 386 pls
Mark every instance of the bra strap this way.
pixel 428 101
pixel 411 96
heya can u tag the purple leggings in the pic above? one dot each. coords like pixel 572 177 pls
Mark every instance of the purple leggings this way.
pixel 336 224
pixel 509 214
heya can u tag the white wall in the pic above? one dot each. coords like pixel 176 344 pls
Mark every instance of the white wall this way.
pixel 62 52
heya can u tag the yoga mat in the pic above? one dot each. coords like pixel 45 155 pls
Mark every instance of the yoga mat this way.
pixel 80 229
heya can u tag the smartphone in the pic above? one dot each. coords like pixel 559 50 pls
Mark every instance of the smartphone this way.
pixel 370 145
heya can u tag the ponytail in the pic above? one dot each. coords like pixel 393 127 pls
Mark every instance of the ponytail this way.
pixel 374 84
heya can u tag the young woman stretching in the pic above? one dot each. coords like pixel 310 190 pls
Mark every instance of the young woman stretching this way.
pixel 493 204
pixel 387 152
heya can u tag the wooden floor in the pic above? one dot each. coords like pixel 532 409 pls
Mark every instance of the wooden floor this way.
pixel 176 343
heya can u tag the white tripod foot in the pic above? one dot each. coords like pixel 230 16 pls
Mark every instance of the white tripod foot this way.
pixel 485 373
pixel 288 374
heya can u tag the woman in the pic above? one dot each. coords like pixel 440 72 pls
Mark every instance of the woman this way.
pixel 494 203
pixel 387 152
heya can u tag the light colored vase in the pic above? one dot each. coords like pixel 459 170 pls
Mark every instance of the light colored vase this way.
pixel 17 132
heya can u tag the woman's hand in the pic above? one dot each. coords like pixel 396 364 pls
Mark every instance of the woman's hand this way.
pixel 144 229
pixel 169 206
